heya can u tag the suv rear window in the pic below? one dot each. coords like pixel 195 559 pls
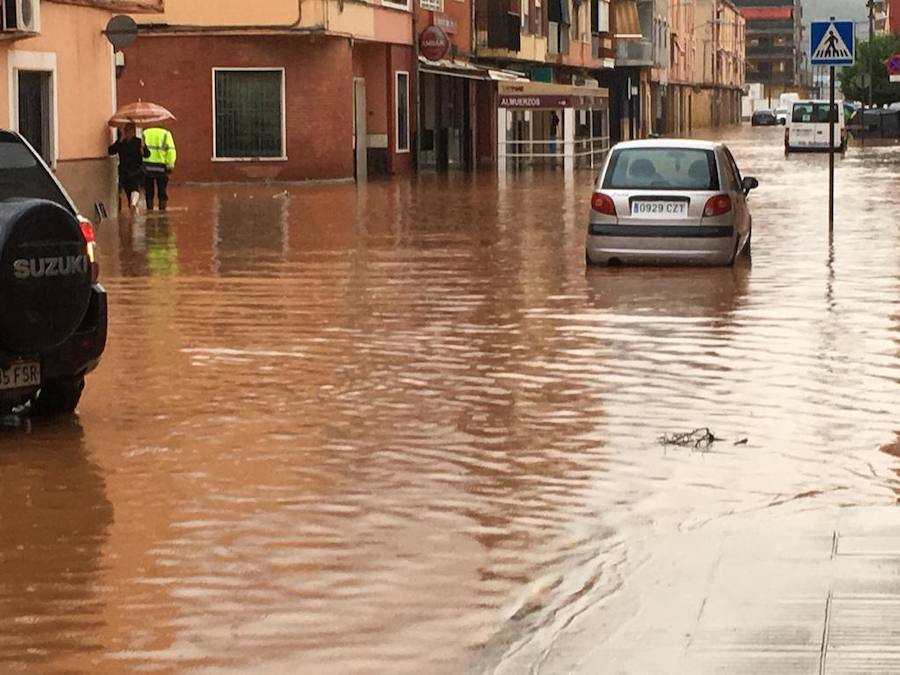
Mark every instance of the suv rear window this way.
pixel 662 169
pixel 22 176
pixel 816 113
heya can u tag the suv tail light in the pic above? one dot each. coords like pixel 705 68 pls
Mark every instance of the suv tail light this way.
pixel 604 204
pixel 717 206
pixel 90 245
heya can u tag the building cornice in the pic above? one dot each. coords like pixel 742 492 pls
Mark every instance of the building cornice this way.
pixel 123 6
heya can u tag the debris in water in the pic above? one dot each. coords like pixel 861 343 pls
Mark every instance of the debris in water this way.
pixel 743 441
pixel 699 439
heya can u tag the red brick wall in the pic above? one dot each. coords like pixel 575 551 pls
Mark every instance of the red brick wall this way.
pixel 177 72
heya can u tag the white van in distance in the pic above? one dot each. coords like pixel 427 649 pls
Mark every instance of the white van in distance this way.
pixel 807 127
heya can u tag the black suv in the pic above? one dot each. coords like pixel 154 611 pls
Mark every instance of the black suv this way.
pixel 52 310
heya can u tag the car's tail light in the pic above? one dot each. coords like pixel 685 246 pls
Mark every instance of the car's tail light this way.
pixel 717 206
pixel 604 204
pixel 91 246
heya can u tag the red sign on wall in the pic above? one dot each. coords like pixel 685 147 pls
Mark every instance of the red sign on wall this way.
pixel 434 43
pixel 893 65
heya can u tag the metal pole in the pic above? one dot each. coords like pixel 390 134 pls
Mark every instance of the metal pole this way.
pixel 831 123
pixel 871 5
pixel 417 83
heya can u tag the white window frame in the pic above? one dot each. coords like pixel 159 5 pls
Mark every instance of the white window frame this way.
pixel 398 149
pixel 394 4
pixel 432 5
pixel 284 155
pixel 44 62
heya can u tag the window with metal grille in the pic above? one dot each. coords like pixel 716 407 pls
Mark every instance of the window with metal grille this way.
pixel 433 5
pixel 249 114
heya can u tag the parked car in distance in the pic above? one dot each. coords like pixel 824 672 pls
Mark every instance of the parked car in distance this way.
pixel 53 317
pixel 809 124
pixel 782 115
pixel 763 118
pixel 670 201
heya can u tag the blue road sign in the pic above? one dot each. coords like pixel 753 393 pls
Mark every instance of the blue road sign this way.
pixel 832 43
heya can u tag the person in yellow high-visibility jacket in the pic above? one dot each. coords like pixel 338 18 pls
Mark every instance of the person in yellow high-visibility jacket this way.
pixel 158 165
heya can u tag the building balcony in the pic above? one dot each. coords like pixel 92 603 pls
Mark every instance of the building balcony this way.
pixel 634 53
pixel 770 53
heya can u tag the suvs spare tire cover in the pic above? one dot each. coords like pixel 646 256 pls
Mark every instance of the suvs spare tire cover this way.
pixel 45 276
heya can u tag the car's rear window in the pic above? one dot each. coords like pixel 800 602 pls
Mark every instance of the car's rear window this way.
pixel 22 176
pixel 816 113
pixel 662 169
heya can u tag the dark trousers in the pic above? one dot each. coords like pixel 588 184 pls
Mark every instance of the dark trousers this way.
pixel 157 182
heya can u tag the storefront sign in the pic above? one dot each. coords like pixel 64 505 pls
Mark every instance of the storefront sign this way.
pixel 553 102
pixel 534 102
pixel 434 43
pixel 447 23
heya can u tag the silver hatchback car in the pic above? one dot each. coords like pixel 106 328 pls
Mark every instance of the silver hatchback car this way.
pixel 670 201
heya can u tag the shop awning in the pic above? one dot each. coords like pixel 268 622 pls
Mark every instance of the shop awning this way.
pixel 467 70
pixel 625 22
pixel 544 96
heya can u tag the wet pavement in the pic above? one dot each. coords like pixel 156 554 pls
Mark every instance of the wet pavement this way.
pixel 402 429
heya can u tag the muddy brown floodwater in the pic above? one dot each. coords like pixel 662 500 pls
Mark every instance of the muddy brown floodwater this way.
pixel 401 429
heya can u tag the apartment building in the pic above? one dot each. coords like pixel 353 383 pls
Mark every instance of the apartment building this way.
pixel 553 108
pixel 775 54
pixel 280 90
pixel 57 86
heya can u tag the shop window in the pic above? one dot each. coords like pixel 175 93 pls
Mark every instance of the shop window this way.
pixel 401 114
pixel 432 5
pixel 249 113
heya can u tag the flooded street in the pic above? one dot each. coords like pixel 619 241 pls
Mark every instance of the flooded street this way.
pixel 401 429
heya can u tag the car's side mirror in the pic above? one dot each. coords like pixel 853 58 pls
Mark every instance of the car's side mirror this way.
pixel 748 184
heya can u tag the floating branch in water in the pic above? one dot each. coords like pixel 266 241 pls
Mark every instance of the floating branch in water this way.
pixel 699 439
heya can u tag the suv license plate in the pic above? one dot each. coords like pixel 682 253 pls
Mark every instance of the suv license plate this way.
pixel 659 209
pixel 19 375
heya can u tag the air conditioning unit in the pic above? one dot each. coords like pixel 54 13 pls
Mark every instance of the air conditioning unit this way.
pixel 21 16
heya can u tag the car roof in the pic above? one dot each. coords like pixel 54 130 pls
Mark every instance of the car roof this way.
pixel 681 143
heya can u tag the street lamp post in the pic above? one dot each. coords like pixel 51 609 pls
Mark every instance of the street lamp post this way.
pixel 871 5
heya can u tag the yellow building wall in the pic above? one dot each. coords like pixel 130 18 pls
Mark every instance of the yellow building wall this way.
pixel 359 19
pixel 230 12
pixel 84 84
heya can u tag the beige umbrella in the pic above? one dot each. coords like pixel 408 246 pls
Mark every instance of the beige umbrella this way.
pixel 140 114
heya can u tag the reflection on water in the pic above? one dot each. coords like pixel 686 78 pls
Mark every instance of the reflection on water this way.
pixel 401 428
pixel 54 521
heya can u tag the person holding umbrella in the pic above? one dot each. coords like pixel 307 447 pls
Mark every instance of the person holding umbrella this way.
pixel 131 151
pixel 145 114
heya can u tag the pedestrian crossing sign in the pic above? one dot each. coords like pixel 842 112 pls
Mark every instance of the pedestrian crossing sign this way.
pixel 832 43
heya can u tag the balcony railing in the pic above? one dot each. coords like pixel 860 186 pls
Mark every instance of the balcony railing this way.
pixel 634 53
